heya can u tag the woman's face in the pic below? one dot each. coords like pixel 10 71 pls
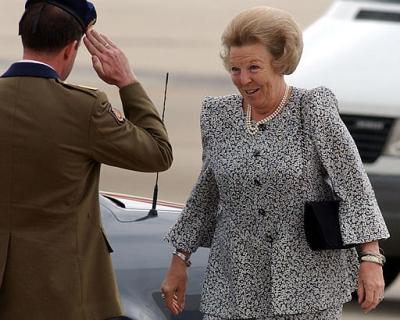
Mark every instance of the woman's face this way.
pixel 252 73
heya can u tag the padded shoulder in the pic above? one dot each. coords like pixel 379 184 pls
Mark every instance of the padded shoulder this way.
pixel 221 104
pixel 214 109
pixel 217 115
pixel 320 110
pixel 221 100
pixel 322 97
pixel 209 102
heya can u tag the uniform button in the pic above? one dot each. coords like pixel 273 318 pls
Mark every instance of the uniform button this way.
pixel 262 212
pixel 257 182
pixel 262 127
pixel 256 153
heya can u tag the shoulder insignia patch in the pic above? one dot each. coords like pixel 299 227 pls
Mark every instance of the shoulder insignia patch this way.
pixel 116 114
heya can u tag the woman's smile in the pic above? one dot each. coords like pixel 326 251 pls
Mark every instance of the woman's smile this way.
pixel 250 92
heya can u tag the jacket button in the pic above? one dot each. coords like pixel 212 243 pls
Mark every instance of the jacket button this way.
pixel 262 212
pixel 262 127
pixel 257 182
pixel 256 153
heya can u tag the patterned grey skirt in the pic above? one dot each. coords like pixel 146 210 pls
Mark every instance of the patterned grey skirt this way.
pixel 334 313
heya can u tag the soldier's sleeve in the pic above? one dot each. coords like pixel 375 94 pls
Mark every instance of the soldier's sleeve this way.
pixel 136 141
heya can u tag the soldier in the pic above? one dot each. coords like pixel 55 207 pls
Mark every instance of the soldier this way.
pixel 54 258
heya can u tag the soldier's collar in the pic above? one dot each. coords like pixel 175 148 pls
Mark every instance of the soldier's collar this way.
pixel 30 69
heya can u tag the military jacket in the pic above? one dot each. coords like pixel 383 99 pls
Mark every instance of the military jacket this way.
pixel 54 261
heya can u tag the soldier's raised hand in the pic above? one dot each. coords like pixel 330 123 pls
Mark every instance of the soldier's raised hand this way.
pixel 109 62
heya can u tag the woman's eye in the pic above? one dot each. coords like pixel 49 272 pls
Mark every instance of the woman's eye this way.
pixel 235 70
pixel 254 68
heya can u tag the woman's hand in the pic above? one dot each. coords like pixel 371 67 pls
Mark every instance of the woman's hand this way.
pixel 109 62
pixel 371 285
pixel 174 286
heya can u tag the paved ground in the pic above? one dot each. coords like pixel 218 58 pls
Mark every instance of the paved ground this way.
pixel 181 37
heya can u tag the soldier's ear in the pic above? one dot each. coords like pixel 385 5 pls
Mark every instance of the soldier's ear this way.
pixel 77 44
pixel 70 49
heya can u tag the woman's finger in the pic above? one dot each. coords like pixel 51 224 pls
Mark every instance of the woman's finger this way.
pixel 180 298
pixel 371 285
pixel 179 306
pixel 369 300
pixel 377 296
pixel 169 302
pixel 360 292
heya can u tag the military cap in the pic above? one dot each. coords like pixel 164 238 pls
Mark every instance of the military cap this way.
pixel 83 11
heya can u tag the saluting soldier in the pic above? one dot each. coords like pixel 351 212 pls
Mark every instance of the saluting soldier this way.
pixel 54 259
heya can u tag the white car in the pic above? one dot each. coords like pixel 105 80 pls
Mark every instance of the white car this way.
pixel 141 258
pixel 354 49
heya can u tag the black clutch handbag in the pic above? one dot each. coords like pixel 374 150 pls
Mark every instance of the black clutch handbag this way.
pixel 321 225
pixel 321 218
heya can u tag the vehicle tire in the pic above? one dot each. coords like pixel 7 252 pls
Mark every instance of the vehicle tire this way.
pixel 390 270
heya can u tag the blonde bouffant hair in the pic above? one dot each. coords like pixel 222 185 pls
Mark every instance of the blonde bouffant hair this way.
pixel 273 28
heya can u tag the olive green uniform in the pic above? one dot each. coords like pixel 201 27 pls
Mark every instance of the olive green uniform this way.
pixel 54 262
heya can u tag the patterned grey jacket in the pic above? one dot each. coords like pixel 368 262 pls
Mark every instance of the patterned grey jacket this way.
pixel 247 205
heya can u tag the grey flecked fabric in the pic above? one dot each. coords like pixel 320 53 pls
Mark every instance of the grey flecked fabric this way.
pixel 247 205
pixel 334 313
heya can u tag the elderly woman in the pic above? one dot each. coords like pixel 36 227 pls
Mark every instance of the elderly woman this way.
pixel 266 151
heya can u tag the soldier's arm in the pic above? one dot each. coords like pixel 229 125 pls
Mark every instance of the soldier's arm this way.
pixel 137 142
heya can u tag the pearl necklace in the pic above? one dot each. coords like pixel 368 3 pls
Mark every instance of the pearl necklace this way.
pixel 252 128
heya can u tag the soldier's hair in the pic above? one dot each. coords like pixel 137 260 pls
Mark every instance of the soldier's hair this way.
pixel 47 28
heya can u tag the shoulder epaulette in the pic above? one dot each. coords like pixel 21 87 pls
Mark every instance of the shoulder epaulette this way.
pixel 90 90
pixel 86 87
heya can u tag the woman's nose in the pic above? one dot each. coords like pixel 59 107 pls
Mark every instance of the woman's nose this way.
pixel 245 77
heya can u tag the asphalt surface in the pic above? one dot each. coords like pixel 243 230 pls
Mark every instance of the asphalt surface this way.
pixel 180 37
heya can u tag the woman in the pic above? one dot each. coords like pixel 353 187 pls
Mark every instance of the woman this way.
pixel 266 151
